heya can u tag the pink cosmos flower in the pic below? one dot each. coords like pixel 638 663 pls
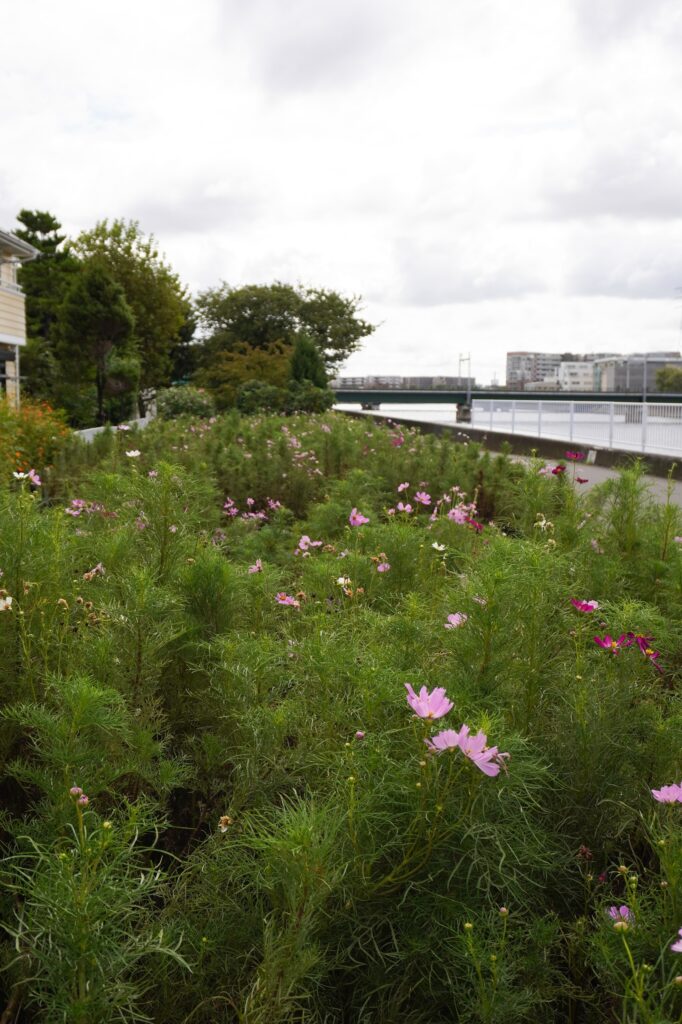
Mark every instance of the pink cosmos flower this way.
pixel 558 470
pixel 397 440
pixel 622 913
pixel 423 498
pixel 677 946
pixel 383 567
pixel 448 739
pixel 456 620
pixel 574 456
pixel 584 606
pixel 609 644
pixel 283 598
pixel 403 487
pixel 487 759
pixel 34 478
pixel 152 474
pixel 305 542
pixel 357 519
pixel 256 567
pixel 428 705
pixel 458 515
pixel 668 794
pixel 596 546
pixel 479 600
pixel 404 508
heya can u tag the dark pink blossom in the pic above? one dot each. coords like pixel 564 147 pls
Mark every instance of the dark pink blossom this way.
pixel 584 606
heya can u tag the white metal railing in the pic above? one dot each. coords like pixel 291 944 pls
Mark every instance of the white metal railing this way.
pixel 650 427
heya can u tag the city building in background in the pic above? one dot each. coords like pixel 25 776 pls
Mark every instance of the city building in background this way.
pixel 530 367
pixel 13 252
pixel 626 373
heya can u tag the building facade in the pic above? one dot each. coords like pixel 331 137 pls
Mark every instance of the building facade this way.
pixel 626 374
pixel 527 367
pixel 13 252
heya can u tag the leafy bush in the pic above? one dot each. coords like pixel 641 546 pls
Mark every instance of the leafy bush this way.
pixel 184 401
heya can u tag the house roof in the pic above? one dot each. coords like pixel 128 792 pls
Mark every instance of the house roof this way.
pixel 22 250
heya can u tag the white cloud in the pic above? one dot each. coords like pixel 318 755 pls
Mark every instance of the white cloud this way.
pixel 489 176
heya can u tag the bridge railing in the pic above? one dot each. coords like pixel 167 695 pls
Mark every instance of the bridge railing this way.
pixel 648 427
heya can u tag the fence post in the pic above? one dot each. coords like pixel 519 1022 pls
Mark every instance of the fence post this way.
pixel 491 414
pixel 644 424
pixel 610 424
pixel 571 415
pixel 539 419
pixel 513 412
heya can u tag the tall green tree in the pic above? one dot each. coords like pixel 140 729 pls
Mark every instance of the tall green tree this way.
pixel 96 341
pixel 46 279
pixel 262 315
pixel 306 363
pixel 159 302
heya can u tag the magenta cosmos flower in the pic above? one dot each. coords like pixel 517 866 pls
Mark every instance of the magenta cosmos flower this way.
pixel 283 598
pixel 584 606
pixel 383 567
pixel 668 794
pixel 357 519
pixel 677 946
pixel 456 620
pixel 428 705
pixel 574 456
pixel 609 644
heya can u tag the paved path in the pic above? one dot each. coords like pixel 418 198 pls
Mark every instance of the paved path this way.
pixel 658 485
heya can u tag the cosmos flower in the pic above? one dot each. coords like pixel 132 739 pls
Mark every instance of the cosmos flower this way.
pixel 609 644
pixel 668 794
pixel 134 453
pixel 584 606
pixel 357 519
pixel 286 599
pixel 456 620
pixel 256 567
pixel 428 705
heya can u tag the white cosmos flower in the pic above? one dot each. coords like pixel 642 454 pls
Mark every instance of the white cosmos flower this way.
pixel 5 603
pixel 19 476
pixel 343 581
pixel 438 547
pixel 134 454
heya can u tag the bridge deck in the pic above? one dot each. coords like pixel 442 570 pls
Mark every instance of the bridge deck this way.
pixel 395 396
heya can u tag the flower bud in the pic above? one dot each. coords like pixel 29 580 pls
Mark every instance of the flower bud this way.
pixel 504 912
pixel 468 926
pixel 75 791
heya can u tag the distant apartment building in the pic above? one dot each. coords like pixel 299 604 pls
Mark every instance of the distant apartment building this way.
pixel 528 367
pixel 13 252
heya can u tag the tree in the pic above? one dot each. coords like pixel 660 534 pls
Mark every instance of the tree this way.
pixel 46 279
pixel 261 315
pixel 669 379
pixel 152 290
pixel 96 334
pixel 227 370
pixel 306 363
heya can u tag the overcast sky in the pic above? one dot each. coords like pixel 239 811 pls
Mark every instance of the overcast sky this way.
pixel 488 175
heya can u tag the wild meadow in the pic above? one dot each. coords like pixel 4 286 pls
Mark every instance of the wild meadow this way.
pixel 307 720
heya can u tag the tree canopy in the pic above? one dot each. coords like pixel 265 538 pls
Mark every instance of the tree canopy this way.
pixel 46 279
pixel 669 379
pixel 262 315
pixel 96 335
pixel 158 301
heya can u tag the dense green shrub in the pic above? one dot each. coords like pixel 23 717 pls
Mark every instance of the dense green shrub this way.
pixel 184 401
